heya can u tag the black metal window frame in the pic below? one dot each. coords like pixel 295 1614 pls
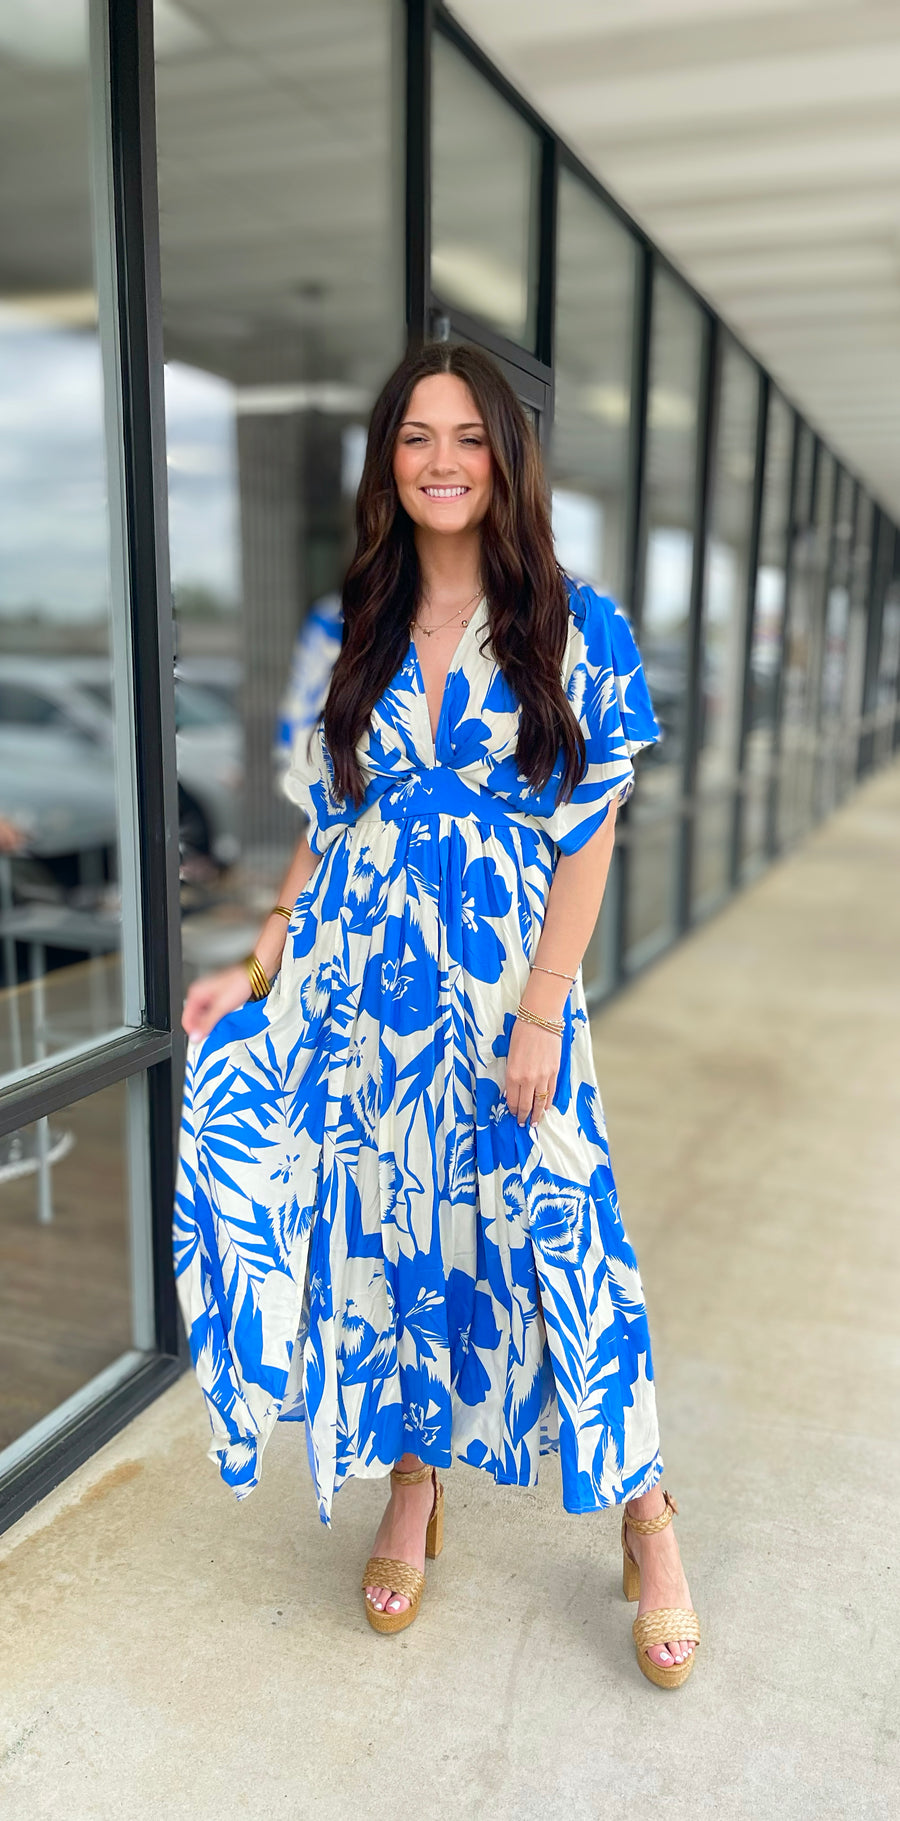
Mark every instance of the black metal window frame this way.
pixel 152 1050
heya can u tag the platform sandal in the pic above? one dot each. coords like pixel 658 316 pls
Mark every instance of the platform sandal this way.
pixel 664 1622
pixel 401 1577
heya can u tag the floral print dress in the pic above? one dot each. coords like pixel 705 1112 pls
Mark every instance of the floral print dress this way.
pixel 366 1240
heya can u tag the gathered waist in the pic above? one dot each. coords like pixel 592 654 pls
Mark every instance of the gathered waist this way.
pixel 440 791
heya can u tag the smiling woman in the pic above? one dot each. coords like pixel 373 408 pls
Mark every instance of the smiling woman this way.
pixel 396 1215
pixel 452 504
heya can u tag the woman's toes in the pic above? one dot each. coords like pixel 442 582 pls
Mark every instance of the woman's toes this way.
pixel 659 1655
pixel 384 1600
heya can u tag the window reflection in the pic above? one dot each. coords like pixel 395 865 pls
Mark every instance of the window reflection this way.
pixel 595 286
pixel 724 623
pixel 283 313
pixel 854 669
pixel 888 676
pixel 834 650
pixel 804 641
pixel 670 488
pixel 74 1279
pixel 485 168
pixel 589 458
pixel 766 636
pixel 60 910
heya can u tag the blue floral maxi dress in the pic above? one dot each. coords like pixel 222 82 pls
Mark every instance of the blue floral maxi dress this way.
pixel 366 1240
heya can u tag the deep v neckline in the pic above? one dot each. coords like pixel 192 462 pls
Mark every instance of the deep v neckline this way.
pixel 454 666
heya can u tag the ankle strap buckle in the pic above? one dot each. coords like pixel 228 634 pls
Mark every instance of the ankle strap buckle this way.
pixel 649 1526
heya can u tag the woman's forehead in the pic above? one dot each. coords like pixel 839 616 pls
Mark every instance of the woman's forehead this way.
pixel 445 396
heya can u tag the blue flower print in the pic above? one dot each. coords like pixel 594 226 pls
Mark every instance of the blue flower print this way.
pixel 482 901
pixel 559 1218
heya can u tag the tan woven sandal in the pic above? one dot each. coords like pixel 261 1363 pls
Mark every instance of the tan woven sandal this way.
pixel 664 1622
pixel 401 1577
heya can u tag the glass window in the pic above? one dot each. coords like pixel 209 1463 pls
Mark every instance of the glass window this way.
pixel 75 1275
pixel 854 669
pixel 834 651
pixel 766 636
pixel 595 300
pixel 282 261
pixel 879 647
pixel 888 658
pixel 65 764
pixel 798 766
pixel 484 192
pixel 726 585
pixel 798 611
pixel 823 558
pixel 654 823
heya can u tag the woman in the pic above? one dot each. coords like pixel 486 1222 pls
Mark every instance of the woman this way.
pixel 396 1218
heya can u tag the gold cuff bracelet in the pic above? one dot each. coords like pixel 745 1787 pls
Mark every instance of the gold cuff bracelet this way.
pixel 260 984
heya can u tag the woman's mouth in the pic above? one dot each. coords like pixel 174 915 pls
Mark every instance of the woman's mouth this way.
pixel 444 493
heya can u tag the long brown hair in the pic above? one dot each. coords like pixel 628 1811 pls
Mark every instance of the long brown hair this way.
pixel 527 600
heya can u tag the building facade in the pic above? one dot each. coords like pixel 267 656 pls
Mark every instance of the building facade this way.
pixel 221 227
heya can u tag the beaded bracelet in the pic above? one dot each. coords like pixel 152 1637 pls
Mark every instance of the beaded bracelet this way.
pixel 546 1024
pixel 551 970
pixel 260 984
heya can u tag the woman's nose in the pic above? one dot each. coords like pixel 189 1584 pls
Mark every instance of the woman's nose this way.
pixel 444 460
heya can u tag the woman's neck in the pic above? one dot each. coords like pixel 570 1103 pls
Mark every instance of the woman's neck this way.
pixel 449 566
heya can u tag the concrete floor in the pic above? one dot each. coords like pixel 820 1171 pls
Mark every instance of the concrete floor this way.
pixel 169 1653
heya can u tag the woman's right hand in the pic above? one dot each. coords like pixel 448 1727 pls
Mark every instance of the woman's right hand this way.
pixel 212 998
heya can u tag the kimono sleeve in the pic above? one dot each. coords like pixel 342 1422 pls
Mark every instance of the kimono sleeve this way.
pixel 309 781
pixel 605 683
pixel 315 653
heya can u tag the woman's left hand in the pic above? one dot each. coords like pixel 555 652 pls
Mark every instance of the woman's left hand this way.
pixel 531 1070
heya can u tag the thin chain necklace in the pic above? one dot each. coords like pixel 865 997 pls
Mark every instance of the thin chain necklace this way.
pixel 429 630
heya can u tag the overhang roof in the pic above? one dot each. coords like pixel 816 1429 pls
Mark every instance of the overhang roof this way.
pixel 758 143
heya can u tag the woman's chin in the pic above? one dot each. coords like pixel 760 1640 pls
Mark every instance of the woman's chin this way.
pixel 438 519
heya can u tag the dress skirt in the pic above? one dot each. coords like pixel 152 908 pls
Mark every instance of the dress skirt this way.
pixel 366 1240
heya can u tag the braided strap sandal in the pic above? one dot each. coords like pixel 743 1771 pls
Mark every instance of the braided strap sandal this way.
pixel 402 1577
pixel 664 1622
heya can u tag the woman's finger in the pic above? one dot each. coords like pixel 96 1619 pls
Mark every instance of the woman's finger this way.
pixel 524 1102
pixel 515 1093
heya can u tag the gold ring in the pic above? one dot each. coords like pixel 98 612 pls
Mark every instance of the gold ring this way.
pixel 540 1096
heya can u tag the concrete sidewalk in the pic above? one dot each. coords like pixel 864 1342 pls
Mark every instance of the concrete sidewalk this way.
pixel 171 1655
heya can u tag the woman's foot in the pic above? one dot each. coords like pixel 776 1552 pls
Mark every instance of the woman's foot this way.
pixel 401 1533
pixel 663 1580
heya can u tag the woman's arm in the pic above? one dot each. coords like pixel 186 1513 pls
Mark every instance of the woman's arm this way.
pixel 212 997
pixel 573 906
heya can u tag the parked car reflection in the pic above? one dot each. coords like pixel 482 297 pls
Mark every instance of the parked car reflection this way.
pixel 57 783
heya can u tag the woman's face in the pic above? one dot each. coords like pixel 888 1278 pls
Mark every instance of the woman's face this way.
pixel 442 461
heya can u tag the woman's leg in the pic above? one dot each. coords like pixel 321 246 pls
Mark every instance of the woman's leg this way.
pixel 662 1576
pixel 401 1533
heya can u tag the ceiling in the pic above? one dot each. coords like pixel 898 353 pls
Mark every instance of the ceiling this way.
pixel 758 143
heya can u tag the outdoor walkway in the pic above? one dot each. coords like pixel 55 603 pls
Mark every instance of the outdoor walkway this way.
pixel 171 1655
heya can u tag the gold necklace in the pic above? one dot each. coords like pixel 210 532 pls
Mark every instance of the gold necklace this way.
pixel 429 630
